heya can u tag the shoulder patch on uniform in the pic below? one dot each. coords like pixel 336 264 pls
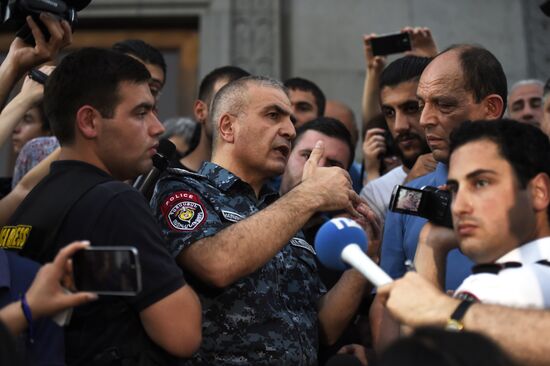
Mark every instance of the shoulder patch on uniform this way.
pixel 301 243
pixel 183 211
pixel 232 216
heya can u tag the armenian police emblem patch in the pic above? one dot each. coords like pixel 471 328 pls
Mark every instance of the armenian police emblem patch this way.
pixel 183 211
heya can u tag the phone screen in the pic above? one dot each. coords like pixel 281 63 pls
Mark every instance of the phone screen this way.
pixel 107 270
pixel 391 43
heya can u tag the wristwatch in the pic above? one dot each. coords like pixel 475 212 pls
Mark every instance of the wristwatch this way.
pixel 454 323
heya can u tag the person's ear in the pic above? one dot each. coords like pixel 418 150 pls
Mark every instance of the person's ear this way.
pixel 494 106
pixel 87 119
pixel 200 109
pixel 540 191
pixel 226 127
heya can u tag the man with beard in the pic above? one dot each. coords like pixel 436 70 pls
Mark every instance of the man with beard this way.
pixel 399 104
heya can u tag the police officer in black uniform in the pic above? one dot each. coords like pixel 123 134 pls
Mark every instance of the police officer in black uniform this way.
pixel 263 302
pixel 101 109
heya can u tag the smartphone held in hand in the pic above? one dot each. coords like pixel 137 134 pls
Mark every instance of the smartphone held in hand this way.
pixel 107 270
pixel 391 43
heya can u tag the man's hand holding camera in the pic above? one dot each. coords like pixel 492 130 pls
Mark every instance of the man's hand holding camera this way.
pixel 22 57
pixel 434 243
pixel 374 147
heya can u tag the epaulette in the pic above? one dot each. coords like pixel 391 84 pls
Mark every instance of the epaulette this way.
pixel 465 295
pixel 494 268
pixel 179 172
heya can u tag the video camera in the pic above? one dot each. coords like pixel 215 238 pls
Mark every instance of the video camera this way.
pixel 14 12
pixel 429 202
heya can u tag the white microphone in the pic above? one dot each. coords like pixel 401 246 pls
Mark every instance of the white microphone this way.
pixel 340 241
pixel 353 255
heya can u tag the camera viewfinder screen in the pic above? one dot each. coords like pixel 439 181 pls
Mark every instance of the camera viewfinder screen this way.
pixel 409 200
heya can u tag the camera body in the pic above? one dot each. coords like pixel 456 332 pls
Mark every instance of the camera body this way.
pixel 14 13
pixel 428 202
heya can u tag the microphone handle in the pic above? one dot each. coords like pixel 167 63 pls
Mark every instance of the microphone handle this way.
pixel 149 180
pixel 139 182
pixel 353 255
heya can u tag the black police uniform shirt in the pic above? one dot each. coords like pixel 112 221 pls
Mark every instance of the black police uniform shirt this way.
pixel 266 318
pixel 111 213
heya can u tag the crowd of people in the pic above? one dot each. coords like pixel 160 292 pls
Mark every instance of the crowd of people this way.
pixel 227 267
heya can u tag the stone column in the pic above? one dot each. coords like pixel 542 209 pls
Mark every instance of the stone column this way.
pixel 537 39
pixel 255 41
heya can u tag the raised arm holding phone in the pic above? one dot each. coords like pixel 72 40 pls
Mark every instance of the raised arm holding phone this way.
pixel 47 296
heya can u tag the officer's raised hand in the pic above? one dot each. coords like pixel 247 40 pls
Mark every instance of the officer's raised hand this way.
pixel 329 187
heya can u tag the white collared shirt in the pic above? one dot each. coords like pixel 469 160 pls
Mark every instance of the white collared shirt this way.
pixel 527 286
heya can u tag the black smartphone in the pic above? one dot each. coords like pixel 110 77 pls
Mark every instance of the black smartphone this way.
pixel 390 43
pixel 107 270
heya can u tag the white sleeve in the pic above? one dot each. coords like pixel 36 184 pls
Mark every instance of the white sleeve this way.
pixel 524 287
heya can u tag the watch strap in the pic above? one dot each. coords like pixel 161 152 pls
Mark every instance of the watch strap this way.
pixel 455 321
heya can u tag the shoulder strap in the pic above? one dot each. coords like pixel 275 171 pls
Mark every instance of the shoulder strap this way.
pixel 45 211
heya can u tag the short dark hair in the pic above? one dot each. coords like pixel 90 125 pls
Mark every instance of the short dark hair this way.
pixel 525 147
pixel 228 73
pixel 483 73
pixel 309 86
pixel 408 68
pixel 88 76
pixel 142 50
pixel 330 127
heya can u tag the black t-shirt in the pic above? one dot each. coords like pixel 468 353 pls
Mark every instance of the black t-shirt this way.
pixel 113 213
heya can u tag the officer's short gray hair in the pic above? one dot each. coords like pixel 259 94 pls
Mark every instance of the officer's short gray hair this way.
pixel 233 98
